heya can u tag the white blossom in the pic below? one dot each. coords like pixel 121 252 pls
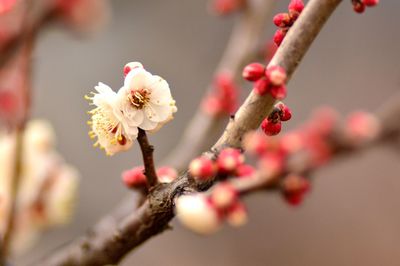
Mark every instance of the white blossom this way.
pixel 144 101
pixel 106 125
pixel 196 213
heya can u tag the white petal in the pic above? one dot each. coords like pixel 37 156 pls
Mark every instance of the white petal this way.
pixel 137 78
pixel 157 113
pixel 148 125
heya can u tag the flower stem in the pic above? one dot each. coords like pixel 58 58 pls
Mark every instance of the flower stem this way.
pixel 148 161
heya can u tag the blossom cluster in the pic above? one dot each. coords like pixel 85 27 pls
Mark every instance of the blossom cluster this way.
pixel 360 5
pixel 143 102
pixel 205 213
pixel 226 7
pixel 48 186
pixel 223 99
pixel 270 79
pixel 285 20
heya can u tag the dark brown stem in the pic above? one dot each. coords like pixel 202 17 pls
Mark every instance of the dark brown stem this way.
pixel 148 161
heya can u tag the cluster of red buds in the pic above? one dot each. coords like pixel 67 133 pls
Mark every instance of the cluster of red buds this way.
pixel 285 20
pixel 270 79
pixel 6 5
pixel 223 100
pixel 272 158
pixel 230 162
pixel 205 212
pixel 136 179
pixel 360 5
pixel 272 125
pixel 226 7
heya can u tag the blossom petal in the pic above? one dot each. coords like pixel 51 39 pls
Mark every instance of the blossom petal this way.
pixel 137 78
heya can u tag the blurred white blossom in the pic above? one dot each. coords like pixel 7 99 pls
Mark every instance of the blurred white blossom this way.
pixel 47 189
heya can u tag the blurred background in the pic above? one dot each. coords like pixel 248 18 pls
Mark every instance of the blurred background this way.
pixel 352 215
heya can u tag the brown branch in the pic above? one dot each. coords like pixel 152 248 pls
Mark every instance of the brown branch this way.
pixel 241 49
pixel 389 118
pixel 109 246
pixel 148 161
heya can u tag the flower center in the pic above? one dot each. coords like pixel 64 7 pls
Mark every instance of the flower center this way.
pixel 139 98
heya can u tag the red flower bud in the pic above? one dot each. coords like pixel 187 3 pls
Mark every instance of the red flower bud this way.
pixel 277 75
pixel 202 168
pixel 296 5
pixel 282 20
pixel 229 159
pixel 370 2
pixel 253 71
pixel 134 178
pixel 166 174
pixel 224 195
pixel 237 214
pixel 270 128
pixel 294 199
pixel 278 93
pixel 261 86
pixel 286 113
pixel 245 170
pixel 279 36
pixel 359 7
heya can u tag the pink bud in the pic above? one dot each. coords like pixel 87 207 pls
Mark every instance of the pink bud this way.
pixel 286 113
pixel 255 143
pixel 370 2
pixel 359 7
pixel 212 106
pixel 278 93
pixel 245 170
pixel 276 75
pixel 202 168
pixel 291 142
pixel 271 128
pixel 253 71
pixel 225 7
pixel 229 159
pixel 132 65
pixel 271 164
pixel 279 36
pixel 6 5
pixel 296 5
pixel 295 184
pixel 224 195
pixel 362 126
pixel 261 86
pixel 282 20
pixel 134 177
pixel 237 215
pixel 166 174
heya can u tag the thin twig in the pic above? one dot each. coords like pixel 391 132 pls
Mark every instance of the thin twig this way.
pixel 148 161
